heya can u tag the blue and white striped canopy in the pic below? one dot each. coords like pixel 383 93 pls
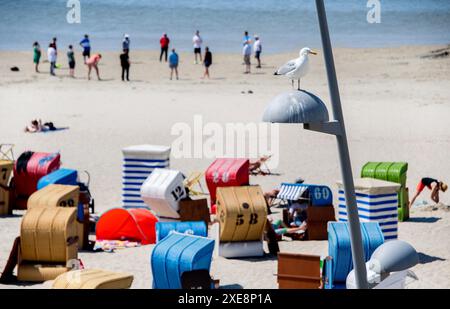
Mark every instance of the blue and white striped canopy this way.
pixel 291 192
pixel 317 195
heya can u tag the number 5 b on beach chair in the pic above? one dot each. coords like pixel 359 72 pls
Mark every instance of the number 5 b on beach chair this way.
pixel 242 213
pixel 319 209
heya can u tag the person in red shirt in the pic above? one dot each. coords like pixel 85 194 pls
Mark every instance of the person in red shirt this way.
pixel 164 42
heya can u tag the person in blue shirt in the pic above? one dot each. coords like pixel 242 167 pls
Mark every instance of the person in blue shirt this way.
pixel 173 63
pixel 86 44
pixel 126 42
pixel 246 39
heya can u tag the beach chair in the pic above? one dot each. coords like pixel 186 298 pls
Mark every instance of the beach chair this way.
pixel 6 188
pixel 93 279
pixel 393 172
pixel 260 167
pixel 318 200
pixel 7 152
pixel 193 181
pixel 177 254
pixel 48 243
pixel 242 214
pixel 299 271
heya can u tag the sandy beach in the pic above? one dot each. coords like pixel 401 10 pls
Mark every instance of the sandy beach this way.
pixel 396 108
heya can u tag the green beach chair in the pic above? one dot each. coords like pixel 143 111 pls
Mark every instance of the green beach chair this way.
pixel 394 172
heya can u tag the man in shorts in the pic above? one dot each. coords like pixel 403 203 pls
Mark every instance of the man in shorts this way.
pixel 173 63
pixel 86 45
pixel 433 184
pixel 257 47
pixel 197 41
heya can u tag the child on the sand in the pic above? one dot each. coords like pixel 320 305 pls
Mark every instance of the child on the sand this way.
pixel 433 184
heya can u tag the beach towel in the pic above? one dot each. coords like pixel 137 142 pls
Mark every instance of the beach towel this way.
pixel 112 245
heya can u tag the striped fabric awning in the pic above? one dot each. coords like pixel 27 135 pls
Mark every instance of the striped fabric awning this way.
pixel 291 191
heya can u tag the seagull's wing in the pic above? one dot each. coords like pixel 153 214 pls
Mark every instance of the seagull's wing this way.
pixel 287 67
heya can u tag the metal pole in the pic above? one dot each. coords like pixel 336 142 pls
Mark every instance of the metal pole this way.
pixel 344 156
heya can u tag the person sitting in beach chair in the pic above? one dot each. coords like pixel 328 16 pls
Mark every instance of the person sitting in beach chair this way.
pixel 271 196
pixel 296 230
pixel 255 168
pixel 37 126
pixel 433 184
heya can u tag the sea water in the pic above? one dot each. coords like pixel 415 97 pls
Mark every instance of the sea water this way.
pixel 283 25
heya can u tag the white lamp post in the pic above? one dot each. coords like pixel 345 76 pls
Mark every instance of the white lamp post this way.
pixel 304 107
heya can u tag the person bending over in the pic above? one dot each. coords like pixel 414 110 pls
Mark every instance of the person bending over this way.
pixel 92 62
pixel 433 184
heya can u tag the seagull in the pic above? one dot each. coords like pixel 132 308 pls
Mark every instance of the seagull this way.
pixel 296 68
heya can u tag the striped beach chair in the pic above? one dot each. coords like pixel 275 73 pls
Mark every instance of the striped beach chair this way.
pixel 377 201
pixel 138 163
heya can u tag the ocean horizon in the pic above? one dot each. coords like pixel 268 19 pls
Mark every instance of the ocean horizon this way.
pixel 282 25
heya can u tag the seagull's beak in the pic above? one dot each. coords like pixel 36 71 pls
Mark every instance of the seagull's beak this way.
pixel 313 52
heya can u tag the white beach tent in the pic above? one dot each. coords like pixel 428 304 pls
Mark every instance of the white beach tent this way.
pixel 138 163
pixel 162 191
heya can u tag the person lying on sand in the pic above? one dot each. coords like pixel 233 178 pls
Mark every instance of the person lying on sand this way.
pixel 433 184
pixel 37 126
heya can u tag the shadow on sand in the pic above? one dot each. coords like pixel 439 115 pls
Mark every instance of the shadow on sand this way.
pixel 424 219
pixel 425 258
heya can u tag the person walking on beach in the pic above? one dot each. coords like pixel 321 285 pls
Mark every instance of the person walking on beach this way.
pixel 125 63
pixel 164 42
pixel 51 54
pixel 197 40
pixel 257 48
pixel 247 52
pixel 36 56
pixel 86 45
pixel 173 63
pixel 433 184
pixel 71 59
pixel 207 62
pixel 92 62
pixel 126 42
pixel 246 39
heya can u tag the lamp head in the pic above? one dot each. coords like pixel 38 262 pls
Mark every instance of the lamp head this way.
pixel 297 106
pixel 394 255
